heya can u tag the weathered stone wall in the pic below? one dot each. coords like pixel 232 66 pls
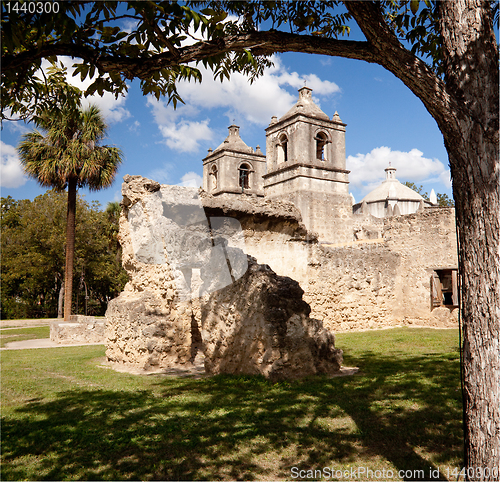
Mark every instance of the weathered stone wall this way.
pixel 425 241
pixel 369 283
pixel 353 287
pixel 177 253
pixel 382 279
pixel 273 232
pixel 148 326
pixel 260 325
pixel 366 226
pixel 145 331
pixel 385 282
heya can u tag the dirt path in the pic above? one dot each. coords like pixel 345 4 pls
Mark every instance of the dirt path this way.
pixel 41 343
pixel 5 324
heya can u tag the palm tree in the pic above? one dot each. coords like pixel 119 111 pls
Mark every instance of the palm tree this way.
pixel 67 154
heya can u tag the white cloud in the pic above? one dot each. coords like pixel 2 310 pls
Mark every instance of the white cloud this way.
pixel 117 197
pixel 179 133
pixel 256 102
pixel 367 170
pixel 191 179
pixel 321 87
pixel 112 109
pixel 184 136
pixel 11 172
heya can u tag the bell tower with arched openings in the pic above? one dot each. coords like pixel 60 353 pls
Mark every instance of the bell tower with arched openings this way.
pixel 234 167
pixel 306 165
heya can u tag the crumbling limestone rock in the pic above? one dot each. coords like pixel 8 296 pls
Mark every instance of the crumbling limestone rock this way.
pixel 177 255
pixel 260 325
pixel 145 332
pixel 149 326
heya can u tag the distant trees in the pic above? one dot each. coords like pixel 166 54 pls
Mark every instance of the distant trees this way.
pixel 33 255
pixel 442 199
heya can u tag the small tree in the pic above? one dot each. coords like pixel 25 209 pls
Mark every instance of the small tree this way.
pixel 442 199
pixel 67 154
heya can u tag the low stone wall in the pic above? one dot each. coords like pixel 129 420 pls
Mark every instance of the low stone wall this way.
pixel 385 282
pixel 81 329
pixel 352 287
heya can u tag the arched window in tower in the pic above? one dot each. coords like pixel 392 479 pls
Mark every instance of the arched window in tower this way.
pixel 214 174
pixel 244 176
pixel 321 142
pixel 283 149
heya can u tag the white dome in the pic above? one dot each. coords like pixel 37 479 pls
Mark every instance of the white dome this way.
pixel 391 194
pixel 392 189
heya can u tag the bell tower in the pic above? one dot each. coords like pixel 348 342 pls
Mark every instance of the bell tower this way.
pixel 306 165
pixel 234 167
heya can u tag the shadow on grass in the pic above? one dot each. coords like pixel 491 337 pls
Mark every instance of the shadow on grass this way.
pixel 243 427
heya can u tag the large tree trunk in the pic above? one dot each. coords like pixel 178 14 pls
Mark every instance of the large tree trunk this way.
pixel 471 75
pixel 476 192
pixel 465 106
pixel 70 248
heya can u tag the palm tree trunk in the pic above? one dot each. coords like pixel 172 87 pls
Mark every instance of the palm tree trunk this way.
pixel 70 248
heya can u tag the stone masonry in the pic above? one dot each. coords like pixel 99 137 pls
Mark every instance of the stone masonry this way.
pixel 260 325
pixel 189 276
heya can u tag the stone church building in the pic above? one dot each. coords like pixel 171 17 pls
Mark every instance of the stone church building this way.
pixel 274 240
pixel 305 164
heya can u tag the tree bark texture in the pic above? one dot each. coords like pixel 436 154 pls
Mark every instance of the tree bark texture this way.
pixel 465 106
pixel 70 248
pixel 471 63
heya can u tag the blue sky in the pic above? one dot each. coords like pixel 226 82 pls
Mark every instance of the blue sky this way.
pixel 385 123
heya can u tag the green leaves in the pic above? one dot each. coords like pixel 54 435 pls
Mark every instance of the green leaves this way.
pixel 418 27
pixel 33 255
pixel 158 42
pixel 104 36
pixel 69 148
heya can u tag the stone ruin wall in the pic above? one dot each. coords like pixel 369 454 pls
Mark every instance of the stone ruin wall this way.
pixel 373 282
pixel 148 329
pixel 352 287
pixel 368 283
pixel 386 281
pixel 424 241
pixel 153 324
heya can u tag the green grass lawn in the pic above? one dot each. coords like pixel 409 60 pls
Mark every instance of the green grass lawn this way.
pixel 64 417
pixel 21 334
